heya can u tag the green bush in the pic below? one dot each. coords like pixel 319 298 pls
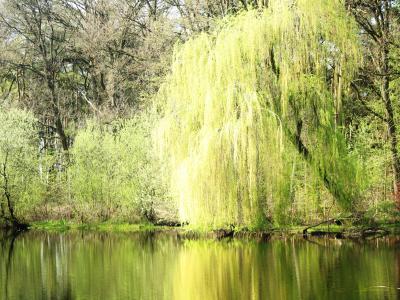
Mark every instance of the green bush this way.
pixel 114 174
pixel 20 183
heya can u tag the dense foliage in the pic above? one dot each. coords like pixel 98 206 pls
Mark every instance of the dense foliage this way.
pixel 113 172
pixel 237 102
pixel 21 185
pixel 231 113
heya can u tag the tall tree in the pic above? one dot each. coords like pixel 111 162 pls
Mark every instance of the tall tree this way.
pixel 37 33
pixel 379 23
pixel 72 58
pixel 123 44
pixel 264 81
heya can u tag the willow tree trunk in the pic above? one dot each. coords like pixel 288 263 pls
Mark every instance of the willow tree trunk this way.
pixel 329 183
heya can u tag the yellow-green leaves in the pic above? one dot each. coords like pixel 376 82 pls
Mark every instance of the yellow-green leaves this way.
pixel 232 94
pixel 114 173
pixel 20 180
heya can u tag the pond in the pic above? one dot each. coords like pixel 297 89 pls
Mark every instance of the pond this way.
pixel 87 265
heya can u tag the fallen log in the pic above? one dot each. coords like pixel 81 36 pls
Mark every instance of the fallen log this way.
pixel 330 221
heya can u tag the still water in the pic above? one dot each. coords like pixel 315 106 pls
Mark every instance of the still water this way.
pixel 84 265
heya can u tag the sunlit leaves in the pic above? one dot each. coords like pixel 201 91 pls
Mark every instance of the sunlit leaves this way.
pixel 234 95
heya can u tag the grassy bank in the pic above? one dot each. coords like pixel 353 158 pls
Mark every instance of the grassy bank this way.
pixel 335 231
pixel 61 226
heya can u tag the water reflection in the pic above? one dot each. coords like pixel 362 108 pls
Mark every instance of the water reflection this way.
pixel 80 265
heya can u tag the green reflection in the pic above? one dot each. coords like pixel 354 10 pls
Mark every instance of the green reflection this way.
pixel 161 266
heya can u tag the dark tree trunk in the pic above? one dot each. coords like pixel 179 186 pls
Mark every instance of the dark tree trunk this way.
pixel 375 17
pixel 392 128
pixel 57 114
pixel 12 220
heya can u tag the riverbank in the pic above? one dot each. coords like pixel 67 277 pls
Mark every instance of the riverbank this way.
pixel 341 231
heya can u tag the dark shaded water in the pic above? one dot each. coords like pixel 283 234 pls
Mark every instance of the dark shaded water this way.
pixel 160 266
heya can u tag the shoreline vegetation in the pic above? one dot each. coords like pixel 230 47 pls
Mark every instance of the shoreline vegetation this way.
pixel 335 230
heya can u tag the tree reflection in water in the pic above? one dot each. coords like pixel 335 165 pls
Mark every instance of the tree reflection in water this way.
pixel 85 265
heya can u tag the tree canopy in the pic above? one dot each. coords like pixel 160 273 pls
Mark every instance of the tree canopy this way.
pixel 237 99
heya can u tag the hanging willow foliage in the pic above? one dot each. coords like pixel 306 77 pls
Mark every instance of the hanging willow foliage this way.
pixel 239 99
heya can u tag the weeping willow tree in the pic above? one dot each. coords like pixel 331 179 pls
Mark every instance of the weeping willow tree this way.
pixel 240 102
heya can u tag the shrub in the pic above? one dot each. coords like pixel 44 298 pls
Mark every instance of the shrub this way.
pixel 114 173
pixel 20 183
